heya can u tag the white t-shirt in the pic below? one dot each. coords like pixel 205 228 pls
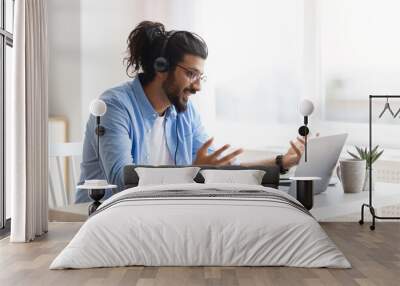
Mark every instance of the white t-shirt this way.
pixel 158 149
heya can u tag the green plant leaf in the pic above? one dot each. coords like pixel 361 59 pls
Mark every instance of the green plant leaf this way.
pixel 359 150
pixel 353 155
pixel 374 150
pixel 365 154
pixel 362 156
pixel 377 156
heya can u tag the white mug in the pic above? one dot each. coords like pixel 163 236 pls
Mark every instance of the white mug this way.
pixel 351 173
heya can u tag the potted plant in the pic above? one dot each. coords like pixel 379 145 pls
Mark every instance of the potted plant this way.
pixel 370 157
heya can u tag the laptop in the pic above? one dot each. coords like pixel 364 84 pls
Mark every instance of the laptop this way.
pixel 322 156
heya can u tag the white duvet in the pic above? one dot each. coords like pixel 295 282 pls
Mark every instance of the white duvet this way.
pixel 183 231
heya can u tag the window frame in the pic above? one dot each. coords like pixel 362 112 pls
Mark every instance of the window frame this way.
pixel 6 39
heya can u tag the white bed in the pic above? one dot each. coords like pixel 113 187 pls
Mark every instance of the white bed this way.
pixel 224 225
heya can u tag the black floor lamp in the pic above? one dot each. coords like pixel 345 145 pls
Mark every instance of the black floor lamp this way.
pixel 97 188
pixel 304 185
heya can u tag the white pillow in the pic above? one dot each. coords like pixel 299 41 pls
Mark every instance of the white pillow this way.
pixel 165 176
pixel 249 177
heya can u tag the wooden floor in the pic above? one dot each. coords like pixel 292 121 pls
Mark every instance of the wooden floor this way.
pixel 375 257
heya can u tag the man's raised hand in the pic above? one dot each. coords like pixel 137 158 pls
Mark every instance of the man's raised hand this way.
pixel 203 158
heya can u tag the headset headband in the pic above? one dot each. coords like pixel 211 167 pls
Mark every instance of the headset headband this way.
pixel 168 35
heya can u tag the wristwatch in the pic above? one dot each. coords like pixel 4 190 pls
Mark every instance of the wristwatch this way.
pixel 278 161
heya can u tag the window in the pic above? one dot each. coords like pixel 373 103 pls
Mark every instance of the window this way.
pixel 9 18
pixel 359 56
pixel 256 69
pixel 6 43
pixel 265 55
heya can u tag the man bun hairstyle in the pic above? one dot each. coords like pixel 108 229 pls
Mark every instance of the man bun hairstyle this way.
pixel 145 44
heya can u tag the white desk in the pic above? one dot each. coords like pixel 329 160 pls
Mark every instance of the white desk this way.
pixel 335 203
pixel 329 205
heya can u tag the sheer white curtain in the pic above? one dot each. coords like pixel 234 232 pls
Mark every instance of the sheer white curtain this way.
pixel 27 123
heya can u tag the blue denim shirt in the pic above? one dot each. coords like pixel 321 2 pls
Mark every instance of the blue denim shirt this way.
pixel 129 117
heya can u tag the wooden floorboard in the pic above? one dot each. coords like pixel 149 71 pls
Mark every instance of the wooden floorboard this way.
pixel 374 255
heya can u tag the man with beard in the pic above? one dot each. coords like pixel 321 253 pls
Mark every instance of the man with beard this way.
pixel 150 120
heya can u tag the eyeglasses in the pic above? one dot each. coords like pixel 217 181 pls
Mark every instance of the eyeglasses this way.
pixel 193 75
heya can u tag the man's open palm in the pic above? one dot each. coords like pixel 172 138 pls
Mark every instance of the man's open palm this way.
pixel 203 158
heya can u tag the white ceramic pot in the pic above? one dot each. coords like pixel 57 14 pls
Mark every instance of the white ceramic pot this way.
pixel 351 173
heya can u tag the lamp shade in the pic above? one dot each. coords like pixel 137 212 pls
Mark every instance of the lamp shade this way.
pixel 306 107
pixel 97 107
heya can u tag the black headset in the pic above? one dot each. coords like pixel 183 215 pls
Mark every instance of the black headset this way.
pixel 161 63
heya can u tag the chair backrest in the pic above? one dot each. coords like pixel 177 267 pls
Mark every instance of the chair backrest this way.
pixel 64 161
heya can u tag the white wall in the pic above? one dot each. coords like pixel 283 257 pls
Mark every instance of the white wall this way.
pixel 64 30
pixel 105 27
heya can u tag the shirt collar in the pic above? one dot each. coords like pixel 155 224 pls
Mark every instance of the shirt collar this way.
pixel 145 105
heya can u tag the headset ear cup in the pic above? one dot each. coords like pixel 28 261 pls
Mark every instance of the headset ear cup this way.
pixel 161 64
pixel 303 131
